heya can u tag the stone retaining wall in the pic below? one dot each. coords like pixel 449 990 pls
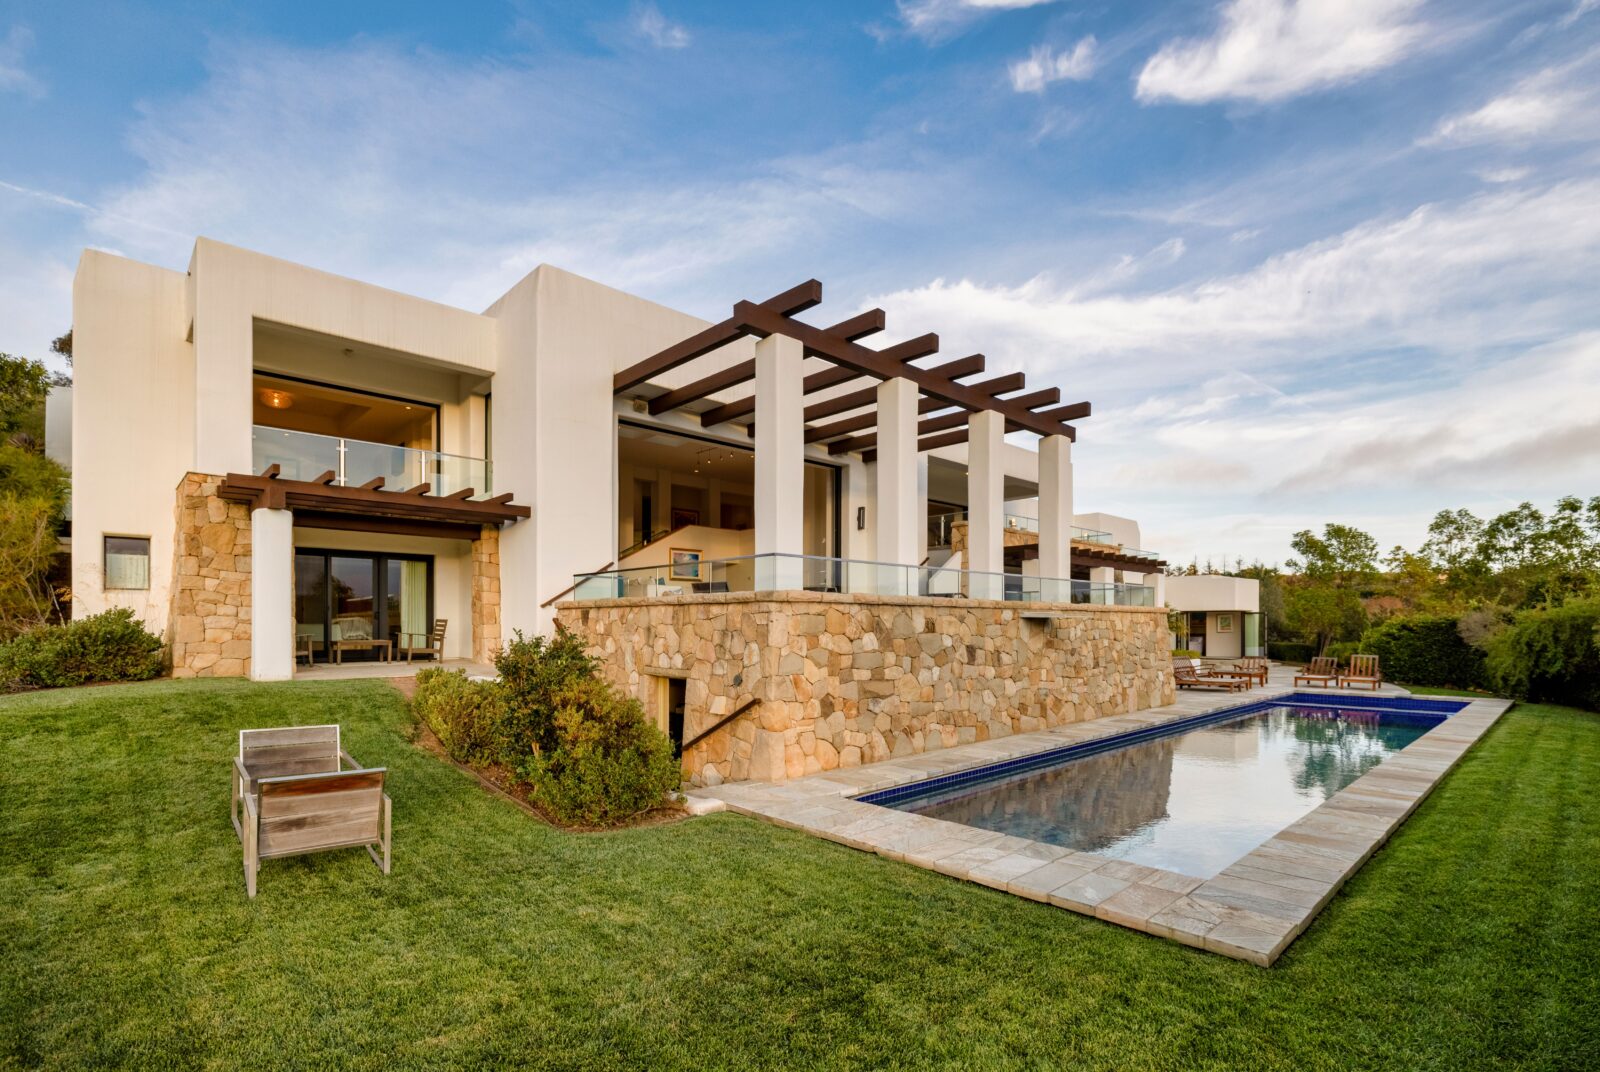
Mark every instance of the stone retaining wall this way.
pixel 844 680
pixel 486 595
pixel 209 626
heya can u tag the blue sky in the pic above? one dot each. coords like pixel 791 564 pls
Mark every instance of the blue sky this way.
pixel 1315 260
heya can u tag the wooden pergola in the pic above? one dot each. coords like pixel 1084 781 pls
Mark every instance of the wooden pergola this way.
pixel 944 403
pixel 321 503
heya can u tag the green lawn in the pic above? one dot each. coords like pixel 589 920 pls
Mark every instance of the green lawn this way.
pixel 1471 941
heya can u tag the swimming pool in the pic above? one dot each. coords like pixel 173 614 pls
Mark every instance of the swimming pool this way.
pixel 1192 796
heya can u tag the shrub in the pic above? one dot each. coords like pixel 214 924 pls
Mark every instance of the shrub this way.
pixel 1342 650
pixel 1287 651
pixel 465 715
pixel 1184 653
pixel 111 646
pixel 1426 649
pixel 532 674
pixel 1550 655
pixel 607 763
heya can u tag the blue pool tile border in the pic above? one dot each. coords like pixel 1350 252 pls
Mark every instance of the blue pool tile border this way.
pixel 1435 711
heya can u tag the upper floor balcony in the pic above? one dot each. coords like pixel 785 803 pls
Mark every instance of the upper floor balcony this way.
pixel 356 463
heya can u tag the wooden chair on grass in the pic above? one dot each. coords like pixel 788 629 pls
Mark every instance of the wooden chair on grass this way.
pixel 425 643
pixel 1363 671
pixel 1189 678
pixel 292 794
pixel 1323 673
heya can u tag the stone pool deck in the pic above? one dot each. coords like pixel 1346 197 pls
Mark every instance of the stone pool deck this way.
pixel 1252 910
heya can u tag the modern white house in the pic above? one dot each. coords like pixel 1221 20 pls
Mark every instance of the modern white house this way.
pixel 277 467
pixel 1221 615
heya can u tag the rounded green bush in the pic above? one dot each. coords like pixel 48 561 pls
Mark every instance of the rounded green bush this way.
pixel 111 646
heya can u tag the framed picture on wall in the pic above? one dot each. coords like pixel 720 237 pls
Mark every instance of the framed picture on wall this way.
pixel 1224 623
pixel 684 564
pixel 682 517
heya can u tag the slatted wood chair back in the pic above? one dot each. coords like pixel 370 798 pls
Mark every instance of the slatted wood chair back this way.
pixel 1185 669
pixel 1323 666
pixel 1253 662
pixel 289 750
pixel 306 813
pixel 1363 666
pixel 436 638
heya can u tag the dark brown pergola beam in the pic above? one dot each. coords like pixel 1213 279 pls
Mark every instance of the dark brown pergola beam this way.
pixel 948 439
pixel 868 396
pixel 794 300
pixel 870 418
pixel 898 354
pixel 941 423
pixel 872 363
pixel 857 327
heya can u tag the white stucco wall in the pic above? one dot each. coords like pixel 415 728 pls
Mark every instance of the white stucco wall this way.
pixel 1214 592
pixel 133 402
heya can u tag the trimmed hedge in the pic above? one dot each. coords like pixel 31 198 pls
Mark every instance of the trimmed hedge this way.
pixel 1550 655
pixel 1426 650
pixel 111 646
pixel 465 715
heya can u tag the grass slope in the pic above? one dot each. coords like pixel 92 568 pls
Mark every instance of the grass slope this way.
pixel 126 939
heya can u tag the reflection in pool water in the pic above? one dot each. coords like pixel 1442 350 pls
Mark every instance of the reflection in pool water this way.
pixel 1192 803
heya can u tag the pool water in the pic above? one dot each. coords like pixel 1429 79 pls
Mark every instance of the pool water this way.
pixel 1193 802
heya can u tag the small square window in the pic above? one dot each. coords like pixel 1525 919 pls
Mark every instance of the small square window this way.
pixel 127 562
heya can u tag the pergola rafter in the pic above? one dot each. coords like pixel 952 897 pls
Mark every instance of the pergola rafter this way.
pixel 840 346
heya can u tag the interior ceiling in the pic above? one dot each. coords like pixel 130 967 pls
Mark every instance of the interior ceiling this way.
pixel 947 482
pixel 647 448
pixel 329 411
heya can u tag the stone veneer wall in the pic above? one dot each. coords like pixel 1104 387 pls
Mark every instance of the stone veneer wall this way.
pixel 209 624
pixel 486 595
pixel 846 679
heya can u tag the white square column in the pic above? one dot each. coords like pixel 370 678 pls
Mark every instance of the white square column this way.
pixel 986 480
pixel 271 595
pixel 898 527
pixel 780 467
pixel 1055 518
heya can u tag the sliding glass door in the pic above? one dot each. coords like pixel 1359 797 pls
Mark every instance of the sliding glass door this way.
pixel 359 603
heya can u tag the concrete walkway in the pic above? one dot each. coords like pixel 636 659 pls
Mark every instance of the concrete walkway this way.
pixel 1252 910
pixel 371 668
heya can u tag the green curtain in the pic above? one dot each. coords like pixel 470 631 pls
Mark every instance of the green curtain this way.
pixel 127 570
pixel 1252 634
pixel 414 598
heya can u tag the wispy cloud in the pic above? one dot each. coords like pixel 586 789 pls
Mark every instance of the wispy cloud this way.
pixel 937 19
pixel 14 76
pixel 649 23
pixel 1556 103
pixel 1268 50
pixel 1044 66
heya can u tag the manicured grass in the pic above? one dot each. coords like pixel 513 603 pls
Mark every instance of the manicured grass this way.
pixel 1470 941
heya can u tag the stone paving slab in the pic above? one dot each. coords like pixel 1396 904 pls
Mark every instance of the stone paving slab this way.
pixel 1250 911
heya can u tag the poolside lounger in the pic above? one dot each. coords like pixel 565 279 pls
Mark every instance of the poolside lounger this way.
pixel 1208 670
pixel 1188 679
pixel 1323 672
pixel 1363 671
pixel 292 794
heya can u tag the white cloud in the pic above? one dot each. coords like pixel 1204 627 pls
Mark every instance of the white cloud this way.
pixel 650 24
pixel 1504 174
pixel 1267 50
pixel 936 19
pixel 1556 103
pixel 1449 356
pixel 1043 66
pixel 14 77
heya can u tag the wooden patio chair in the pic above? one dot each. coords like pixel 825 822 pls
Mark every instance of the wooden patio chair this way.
pixel 1253 665
pixel 431 643
pixel 1363 671
pixel 292 795
pixel 1323 673
pixel 1189 678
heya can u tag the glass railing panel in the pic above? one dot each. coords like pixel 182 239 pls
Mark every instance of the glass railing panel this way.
pixel 398 467
pixel 298 455
pixel 452 473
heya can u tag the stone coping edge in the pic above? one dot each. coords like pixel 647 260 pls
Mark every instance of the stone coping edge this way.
pixel 855 598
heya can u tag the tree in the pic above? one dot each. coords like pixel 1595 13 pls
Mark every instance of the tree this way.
pixel 1343 555
pixel 23 387
pixel 33 500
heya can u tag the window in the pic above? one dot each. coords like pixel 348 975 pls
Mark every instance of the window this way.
pixel 127 562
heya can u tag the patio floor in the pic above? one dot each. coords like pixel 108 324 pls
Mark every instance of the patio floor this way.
pixel 368 669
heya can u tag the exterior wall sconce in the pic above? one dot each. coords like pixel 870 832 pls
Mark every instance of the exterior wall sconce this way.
pixel 861 517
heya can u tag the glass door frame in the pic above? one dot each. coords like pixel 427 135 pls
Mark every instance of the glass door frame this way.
pixel 379 561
